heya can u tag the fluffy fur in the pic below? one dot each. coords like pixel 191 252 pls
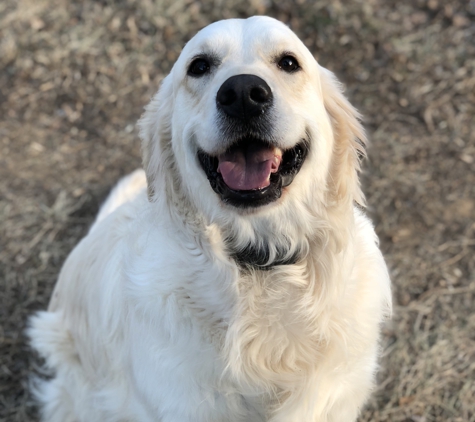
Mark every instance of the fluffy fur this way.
pixel 153 320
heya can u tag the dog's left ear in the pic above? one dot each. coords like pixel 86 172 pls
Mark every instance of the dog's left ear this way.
pixel 349 141
pixel 155 132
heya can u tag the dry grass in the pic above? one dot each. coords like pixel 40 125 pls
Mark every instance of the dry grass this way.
pixel 74 77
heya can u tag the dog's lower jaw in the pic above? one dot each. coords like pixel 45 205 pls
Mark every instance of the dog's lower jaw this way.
pixel 291 162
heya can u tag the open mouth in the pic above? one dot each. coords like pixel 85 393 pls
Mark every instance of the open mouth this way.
pixel 252 172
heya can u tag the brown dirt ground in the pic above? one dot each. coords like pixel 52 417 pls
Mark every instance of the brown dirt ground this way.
pixel 75 75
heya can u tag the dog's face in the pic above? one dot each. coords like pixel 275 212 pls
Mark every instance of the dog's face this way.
pixel 251 94
pixel 253 128
pixel 251 122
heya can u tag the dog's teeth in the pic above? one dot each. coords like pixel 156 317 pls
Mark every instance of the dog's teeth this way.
pixel 276 160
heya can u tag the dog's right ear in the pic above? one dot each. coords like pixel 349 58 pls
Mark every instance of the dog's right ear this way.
pixel 155 131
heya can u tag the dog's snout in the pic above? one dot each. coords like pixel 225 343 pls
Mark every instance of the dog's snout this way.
pixel 244 96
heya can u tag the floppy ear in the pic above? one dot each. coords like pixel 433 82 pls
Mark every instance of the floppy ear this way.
pixel 156 134
pixel 349 141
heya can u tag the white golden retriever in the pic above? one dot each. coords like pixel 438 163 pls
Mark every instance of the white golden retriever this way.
pixel 243 284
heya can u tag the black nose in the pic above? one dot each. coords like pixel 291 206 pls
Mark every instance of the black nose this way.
pixel 244 96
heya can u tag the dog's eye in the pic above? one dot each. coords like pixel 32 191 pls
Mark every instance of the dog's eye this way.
pixel 288 64
pixel 198 67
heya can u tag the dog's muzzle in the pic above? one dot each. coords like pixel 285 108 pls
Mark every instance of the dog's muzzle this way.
pixel 253 170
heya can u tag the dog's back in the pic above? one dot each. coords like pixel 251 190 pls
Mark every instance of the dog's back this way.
pixel 126 190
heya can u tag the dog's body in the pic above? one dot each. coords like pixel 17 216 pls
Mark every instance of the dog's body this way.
pixel 256 296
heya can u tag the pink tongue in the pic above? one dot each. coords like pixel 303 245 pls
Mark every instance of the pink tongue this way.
pixel 249 167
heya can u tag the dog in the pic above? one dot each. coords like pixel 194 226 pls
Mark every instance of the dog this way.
pixel 237 277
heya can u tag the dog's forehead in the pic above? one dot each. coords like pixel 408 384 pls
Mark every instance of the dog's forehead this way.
pixel 239 37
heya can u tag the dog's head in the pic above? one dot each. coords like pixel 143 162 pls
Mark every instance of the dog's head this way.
pixel 251 131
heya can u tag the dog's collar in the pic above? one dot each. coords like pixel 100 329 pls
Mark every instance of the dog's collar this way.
pixel 258 258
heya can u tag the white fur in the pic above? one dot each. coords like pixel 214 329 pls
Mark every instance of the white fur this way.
pixel 151 320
